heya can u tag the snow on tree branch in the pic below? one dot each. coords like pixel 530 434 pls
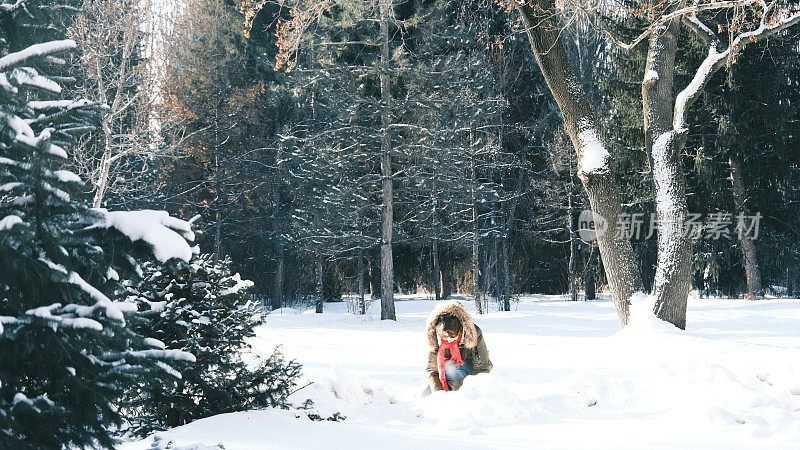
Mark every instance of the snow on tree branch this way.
pixel 9 7
pixel 167 235
pixel 113 310
pixel 769 24
pixel 59 104
pixel 703 31
pixel 35 51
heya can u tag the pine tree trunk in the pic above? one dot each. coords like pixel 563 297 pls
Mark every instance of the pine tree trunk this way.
pixel 318 273
pixel 217 188
pixel 476 273
pixel 506 303
pixel 573 263
pixel 494 264
pixel 665 144
pixel 387 228
pixel 544 34
pixel 435 246
pixel 488 289
pixel 217 233
pixel 437 285
pixel 362 304
pixel 277 288
pixel 506 247
pixel 749 254
pixel 374 274
pixel 589 279
pixel 447 273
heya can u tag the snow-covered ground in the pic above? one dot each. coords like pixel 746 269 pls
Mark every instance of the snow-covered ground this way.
pixel 565 376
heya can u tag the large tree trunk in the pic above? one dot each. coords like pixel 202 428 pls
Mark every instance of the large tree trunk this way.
pixel 665 144
pixel 750 257
pixel 387 228
pixel 580 122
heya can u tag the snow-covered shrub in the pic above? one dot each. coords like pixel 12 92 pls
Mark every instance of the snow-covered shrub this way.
pixel 66 353
pixel 202 308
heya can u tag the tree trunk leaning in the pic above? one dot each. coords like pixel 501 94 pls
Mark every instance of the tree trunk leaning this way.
pixel 544 34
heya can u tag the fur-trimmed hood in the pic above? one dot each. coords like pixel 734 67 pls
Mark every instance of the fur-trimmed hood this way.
pixel 470 338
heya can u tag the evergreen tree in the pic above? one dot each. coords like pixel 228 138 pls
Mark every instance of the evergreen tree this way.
pixel 66 353
pixel 202 308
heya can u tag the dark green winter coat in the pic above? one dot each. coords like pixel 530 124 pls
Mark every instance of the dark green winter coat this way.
pixel 473 346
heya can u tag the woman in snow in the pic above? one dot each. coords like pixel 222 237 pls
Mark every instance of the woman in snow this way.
pixel 457 348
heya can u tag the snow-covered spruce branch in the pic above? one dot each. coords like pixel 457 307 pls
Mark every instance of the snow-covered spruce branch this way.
pixel 35 51
pixel 715 59
pixel 6 8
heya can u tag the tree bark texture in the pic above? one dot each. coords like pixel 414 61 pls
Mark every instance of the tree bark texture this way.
pixel 749 255
pixel 318 265
pixel 588 280
pixel 447 272
pixel 362 304
pixel 573 250
pixel 545 36
pixel 437 284
pixel 665 145
pixel 476 272
pixel 277 288
pixel 387 216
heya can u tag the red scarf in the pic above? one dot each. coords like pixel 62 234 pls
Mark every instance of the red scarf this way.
pixel 455 355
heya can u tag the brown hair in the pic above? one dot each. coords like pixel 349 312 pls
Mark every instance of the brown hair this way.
pixel 449 324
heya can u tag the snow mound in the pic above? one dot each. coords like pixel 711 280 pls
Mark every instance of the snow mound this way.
pixel 483 401
pixel 339 390
pixel 643 319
